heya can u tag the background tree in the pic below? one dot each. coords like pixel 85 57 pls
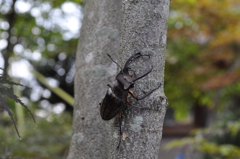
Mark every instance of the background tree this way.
pixel 144 26
pixel 100 34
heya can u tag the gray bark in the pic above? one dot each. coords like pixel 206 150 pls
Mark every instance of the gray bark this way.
pixel 100 34
pixel 143 29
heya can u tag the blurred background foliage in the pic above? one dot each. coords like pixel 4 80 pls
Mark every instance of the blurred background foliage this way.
pixel 48 139
pixel 202 68
pixel 38 42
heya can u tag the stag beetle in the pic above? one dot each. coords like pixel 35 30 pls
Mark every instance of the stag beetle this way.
pixel 116 96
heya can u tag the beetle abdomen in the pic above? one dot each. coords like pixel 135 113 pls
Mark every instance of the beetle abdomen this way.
pixel 111 105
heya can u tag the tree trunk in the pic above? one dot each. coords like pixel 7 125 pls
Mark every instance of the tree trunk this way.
pixel 143 29
pixel 7 53
pixel 100 34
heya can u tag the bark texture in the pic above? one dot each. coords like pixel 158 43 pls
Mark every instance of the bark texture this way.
pixel 143 26
pixel 144 29
pixel 100 34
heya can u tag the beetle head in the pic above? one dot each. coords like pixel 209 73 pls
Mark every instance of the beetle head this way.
pixel 124 78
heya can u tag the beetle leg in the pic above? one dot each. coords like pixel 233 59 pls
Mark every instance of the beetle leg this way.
pixel 148 93
pixel 145 94
pixel 128 100
pixel 120 121
pixel 131 93
pixel 120 129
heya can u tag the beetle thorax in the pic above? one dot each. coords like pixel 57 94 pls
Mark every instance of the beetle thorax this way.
pixel 119 91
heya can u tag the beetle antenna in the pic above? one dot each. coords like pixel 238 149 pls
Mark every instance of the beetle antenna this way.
pixel 114 61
